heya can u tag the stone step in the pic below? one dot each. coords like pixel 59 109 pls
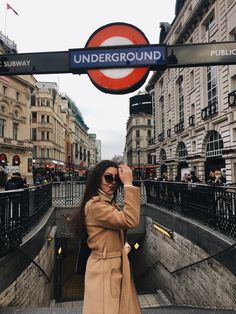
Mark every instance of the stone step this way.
pixel 146 300
pixel 162 298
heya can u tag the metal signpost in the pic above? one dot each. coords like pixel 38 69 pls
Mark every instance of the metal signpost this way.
pixel 118 68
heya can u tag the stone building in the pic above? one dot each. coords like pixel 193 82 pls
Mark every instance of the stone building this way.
pixel 139 135
pixel 195 107
pixel 48 127
pixel 15 145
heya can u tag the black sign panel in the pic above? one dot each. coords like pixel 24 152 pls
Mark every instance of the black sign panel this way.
pixel 177 56
pixel 201 54
pixel 34 63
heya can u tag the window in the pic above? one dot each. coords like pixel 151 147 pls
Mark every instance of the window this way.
pixel 80 153
pixel 149 122
pixel 162 114
pixel 84 154
pixel 47 152
pixel 42 118
pixel 16 114
pixel 2 108
pixel 45 136
pixel 191 80
pixel 4 89
pixel 149 133
pixel 210 22
pixel 161 83
pixel 15 131
pixel 181 99
pixel 214 145
pixel 2 125
pixel 169 101
pixel 181 150
pixel 212 85
pixel 48 120
pixel 163 155
pixel 17 96
pixel 137 133
pixel 33 134
pixel 42 152
pixel 192 109
pixel 76 150
pixel 35 152
pixel 33 100
pixel 34 117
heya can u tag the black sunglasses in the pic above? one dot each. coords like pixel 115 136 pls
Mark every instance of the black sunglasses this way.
pixel 109 178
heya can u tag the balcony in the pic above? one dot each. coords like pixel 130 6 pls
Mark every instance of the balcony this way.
pixel 151 141
pixel 178 128
pixel 210 111
pixel 232 98
pixel 191 120
pixel 161 137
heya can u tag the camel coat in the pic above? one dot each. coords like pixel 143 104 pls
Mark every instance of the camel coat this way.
pixel 109 288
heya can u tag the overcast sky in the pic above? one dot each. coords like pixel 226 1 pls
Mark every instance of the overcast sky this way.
pixel 58 25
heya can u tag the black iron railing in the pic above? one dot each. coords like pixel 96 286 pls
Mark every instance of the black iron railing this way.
pixel 213 205
pixel 20 211
pixel 71 193
pixel 178 128
pixel 209 111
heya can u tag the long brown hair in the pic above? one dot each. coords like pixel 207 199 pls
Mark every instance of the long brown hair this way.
pixel 92 185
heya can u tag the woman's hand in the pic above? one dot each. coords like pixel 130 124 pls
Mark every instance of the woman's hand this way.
pixel 125 174
pixel 127 248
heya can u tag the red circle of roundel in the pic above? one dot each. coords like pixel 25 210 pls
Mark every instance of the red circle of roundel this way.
pixel 132 80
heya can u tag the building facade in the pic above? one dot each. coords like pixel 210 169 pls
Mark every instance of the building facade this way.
pixel 139 135
pixel 48 128
pixel 195 107
pixel 15 146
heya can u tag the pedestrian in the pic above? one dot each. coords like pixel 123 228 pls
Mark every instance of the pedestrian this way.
pixel 193 177
pixel 223 177
pixel 108 284
pixel 15 182
pixel 164 177
pixel 218 177
pixel 211 178
pixel 186 178
pixel 38 179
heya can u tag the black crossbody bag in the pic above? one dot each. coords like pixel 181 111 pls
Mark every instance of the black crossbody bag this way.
pixel 83 254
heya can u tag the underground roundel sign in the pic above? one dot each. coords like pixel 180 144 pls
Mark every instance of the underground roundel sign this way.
pixel 119 80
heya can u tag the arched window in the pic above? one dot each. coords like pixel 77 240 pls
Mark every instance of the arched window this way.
pixel 163 154
pixel 182 150
pixel 214 145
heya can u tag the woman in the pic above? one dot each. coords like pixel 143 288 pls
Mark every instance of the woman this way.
pixel 108 284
